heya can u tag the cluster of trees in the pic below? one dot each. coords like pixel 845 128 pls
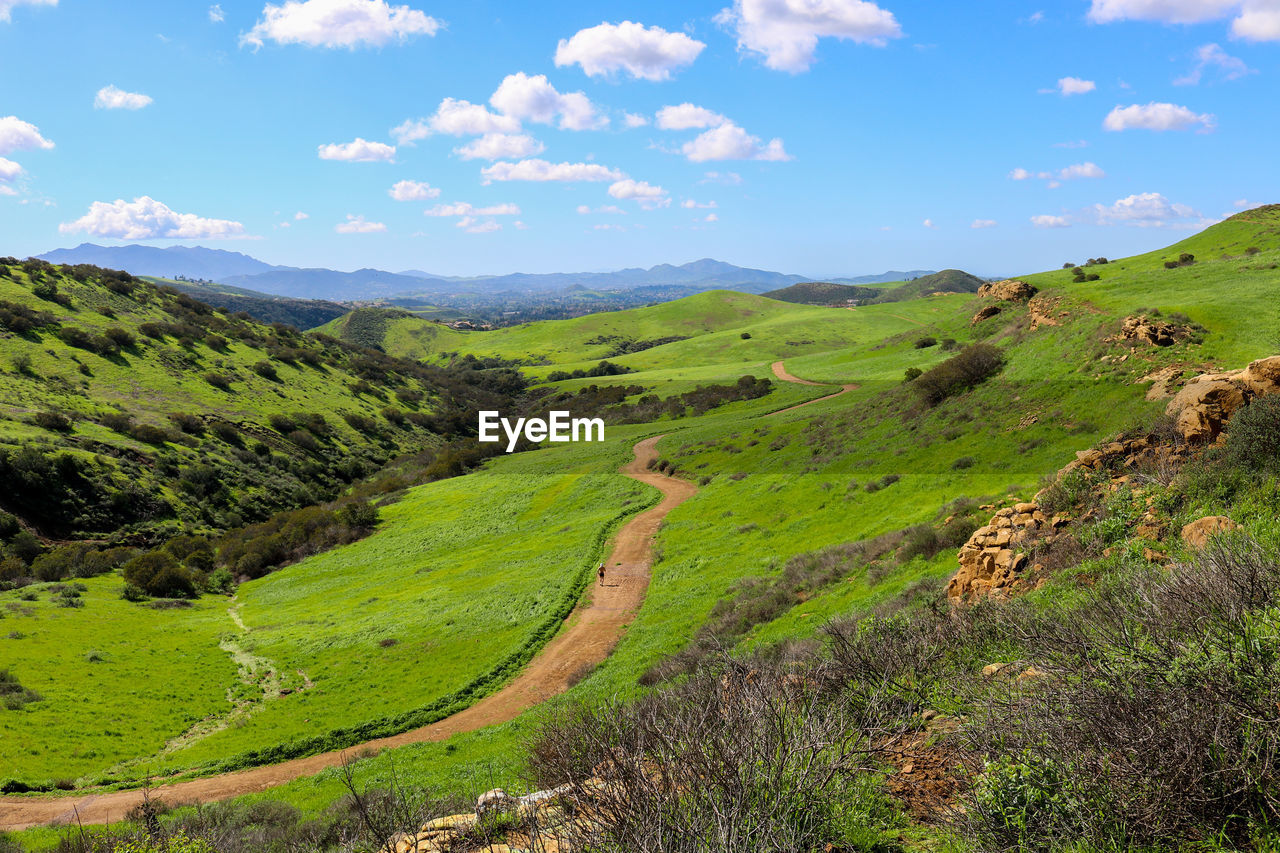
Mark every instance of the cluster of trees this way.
pixel 972 366
pixel 604 368
pixel 609 401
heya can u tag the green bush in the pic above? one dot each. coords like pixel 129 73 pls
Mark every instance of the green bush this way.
pixel 970 367
pixel 1253 437
pixel 926 342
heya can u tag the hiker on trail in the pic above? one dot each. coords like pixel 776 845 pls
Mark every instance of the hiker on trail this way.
pixel 600 573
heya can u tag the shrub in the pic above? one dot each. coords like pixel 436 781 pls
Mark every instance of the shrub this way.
pixel 119 337
pixel 1253 437
pixel 746 336
pixel 266 370
pixel 157 573
pixel 191 424
pixel 283 424
pixel 52 421
pixel 912 374
pixel 221 381
pixel 971 366
pixel 926 342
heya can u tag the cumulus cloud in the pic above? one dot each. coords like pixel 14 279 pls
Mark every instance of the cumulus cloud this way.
pixel 1165 11
pixel 147 219
pixel 1156 116
pixel 462 208
pixel 339 23
pixel 216 15
pixel 522 96
pixel 455 118
pixel 359 225
pixel 1069 86
pixel 9 172
pixel 634 120
pixel 687 116
pixel 413 191
pixel 541 170
pixel 711 217
pixel 299 216
pixel 1255 20
pixel 643 193
pixel 1212 56
pixel 928 223
pixel 983 223
pixel 786 32
pixel 115 98
pixel 1045 220
pixel 19 135
pixel 730 142
pixel 471 226
pixel 690 204
pixel 729 179
pixel 359 151
pixel 649 53
pixel 498 146
pixel 583 210
pixel 7 6
pixel 1145 210
pixel 1055 178
pixel 1258 21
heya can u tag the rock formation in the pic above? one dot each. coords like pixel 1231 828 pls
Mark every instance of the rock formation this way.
pixel 1009 290
pixel 1202 408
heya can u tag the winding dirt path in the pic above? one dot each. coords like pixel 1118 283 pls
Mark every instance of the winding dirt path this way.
pixel 780 371
pixel 590 634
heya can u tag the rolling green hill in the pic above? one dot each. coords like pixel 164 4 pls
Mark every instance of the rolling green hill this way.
pixel 946 281
pixel 849 508
pixel 823 293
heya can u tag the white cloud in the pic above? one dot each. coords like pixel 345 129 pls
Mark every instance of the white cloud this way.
pixel 1156 116
pixel 147 219
pixel 455 118
pixel 711 217
pixel 359 151
pixel 645 53
pixel 690 204
pixel 1069 86
pixel 1047 221
pixel 115 98
pixel 1165 11
pixel 1146 210
pixel 1069 173
pixel 521 96
pixel 729 179
pixel 634 120
pixel 1259 21
pixel 7 6
pixel 983 223
pixel 9 170
pixel 928 223
pixel 1255 20
pixel 541 170
pixel 497 146
pixel 607 227
pixel 583 210
pixel 462 208
pixel 686 116
pixel 643 193
pixel 299 216
pixel 1245 204
pixel 19 135
pixel 338 23
pixel 730 142
pixel 786 32
pixel 1035 18
pixel 471 226
pixel 520 226
pixel 1212 56
pixel 1079 143
pixel 216 15
pixel 413 191
pixel 359 225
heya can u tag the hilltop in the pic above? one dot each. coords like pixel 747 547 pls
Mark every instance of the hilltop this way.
pixel 827 293
pixel 823 293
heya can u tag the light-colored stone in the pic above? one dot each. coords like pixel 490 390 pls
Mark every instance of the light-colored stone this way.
pixel 1202 409
pixel 1009 290
pixel 1197 534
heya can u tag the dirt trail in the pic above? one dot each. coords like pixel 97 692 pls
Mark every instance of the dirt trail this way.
pixel 780 371
pixel 591 632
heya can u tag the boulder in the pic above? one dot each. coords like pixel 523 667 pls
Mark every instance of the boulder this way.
pixel 1164 382
pixel 1202 409
pixel 1198 533
pixel 985 314
pixel 496 801
pixel 1262 377
pixel 1009 290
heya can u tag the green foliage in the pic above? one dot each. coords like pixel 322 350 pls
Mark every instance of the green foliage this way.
pixel 971 366
pixel 1253 438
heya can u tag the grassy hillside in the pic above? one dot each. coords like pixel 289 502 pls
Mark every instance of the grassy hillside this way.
pixel 127 409
pixel 822 293
pixel 946 281
pixel 263 307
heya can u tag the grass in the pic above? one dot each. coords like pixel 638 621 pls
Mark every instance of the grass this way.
pixel 772 487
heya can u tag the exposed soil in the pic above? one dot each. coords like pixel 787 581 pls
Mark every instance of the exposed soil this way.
pixel 589 636
pixel 781 372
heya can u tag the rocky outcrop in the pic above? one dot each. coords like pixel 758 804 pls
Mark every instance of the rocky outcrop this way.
pixel 1202 408
pixel 985 314
pixel 1165 382
pixel 1041 311
pixel 1198 533
pixel 994 560
pixel 1009 290
pixel 1144 330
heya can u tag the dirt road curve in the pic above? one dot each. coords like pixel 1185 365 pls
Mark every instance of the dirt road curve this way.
pixel 780 371
pixel 591 632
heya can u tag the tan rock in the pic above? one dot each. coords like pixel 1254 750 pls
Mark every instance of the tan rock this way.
pixel 1009 290
pixel 1025 508
pixel 1197 534
pixel 991 670
pixel 1202 409
pixel 1165 382
pixel 985 314
pixel 1262 377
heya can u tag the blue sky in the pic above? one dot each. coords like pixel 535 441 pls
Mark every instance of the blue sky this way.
pixel 999 137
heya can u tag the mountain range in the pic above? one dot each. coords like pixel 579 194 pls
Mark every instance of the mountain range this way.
pixel 240 270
